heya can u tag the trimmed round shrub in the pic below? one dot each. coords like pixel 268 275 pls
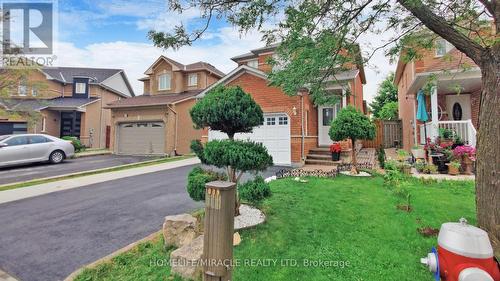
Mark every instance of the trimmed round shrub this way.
pixel 197 179
pixel 255 190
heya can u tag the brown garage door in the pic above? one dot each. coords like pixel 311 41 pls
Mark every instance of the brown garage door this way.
pixel 143 138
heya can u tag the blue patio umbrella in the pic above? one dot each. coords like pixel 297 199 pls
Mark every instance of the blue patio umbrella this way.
pixel 421 110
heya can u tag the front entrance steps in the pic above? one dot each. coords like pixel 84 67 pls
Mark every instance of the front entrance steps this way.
pixel 321 156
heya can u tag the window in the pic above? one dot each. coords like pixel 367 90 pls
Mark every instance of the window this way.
pixel 38 139
pixel 19 128
pixel 17 141
pixel 283 120
pixel 44 124
pixel 80 88
pixel 142 125
pixel 157 125
pixel 327 116
pixel 164 82
pixel 253 63
pixel 22 89
pixel 271 121
pixel 193 79
pixel 34 91
pixel 442 47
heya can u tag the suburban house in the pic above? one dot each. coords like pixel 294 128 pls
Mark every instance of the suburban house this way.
pixel 453 101
pixel 158 122
pixel 69 101
pixel 293 126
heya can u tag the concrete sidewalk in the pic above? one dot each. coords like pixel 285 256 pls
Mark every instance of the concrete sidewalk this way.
pixel 40 189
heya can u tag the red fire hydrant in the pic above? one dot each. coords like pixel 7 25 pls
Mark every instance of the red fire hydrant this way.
pixel 464 253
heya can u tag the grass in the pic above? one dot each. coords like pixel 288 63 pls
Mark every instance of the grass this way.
pixel 94 172
pixel 350 224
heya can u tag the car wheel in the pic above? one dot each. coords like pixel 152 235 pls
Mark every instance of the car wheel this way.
pixel 56 157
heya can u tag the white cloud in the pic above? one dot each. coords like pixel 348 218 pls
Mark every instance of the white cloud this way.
pixel 135 58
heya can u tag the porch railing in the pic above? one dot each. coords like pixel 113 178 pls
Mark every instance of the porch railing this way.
pixel 463 128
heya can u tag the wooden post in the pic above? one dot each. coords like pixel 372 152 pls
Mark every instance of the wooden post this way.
pixel 219 230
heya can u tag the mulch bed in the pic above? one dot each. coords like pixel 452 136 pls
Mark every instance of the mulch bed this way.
pixel 428 231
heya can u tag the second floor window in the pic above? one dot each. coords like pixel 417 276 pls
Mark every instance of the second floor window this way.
pixel 22 89
pixel 442 47
pixel 193 79
pixel 80 88
pixel 34 91
pixel 164 82
pixel 253 63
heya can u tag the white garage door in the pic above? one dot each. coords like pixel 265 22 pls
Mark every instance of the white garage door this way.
pixel 274 134
pixel 141 138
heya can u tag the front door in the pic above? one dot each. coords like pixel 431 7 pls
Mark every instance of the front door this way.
pixel 458 107
pixel 70 123
pixel 326 114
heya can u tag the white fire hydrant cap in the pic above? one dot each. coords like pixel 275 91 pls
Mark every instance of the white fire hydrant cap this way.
pixel 465 240
pixel 474 274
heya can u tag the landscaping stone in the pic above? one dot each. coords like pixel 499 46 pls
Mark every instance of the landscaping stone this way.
pixel 179 230
pixel 360 174
pixel 249 217
pixel 236 239
pixel 185 261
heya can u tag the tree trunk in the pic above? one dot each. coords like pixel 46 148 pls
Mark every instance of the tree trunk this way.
pixel 354 168
pixel 488 148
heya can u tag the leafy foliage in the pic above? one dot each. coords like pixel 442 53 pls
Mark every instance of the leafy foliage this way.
pixel 197 179
pixel 240 155
pixel 197 148
pixel 228 109
pixel 255 190
pixel 389 111
pixel 351 124
pixel 77 144
pixel 387 93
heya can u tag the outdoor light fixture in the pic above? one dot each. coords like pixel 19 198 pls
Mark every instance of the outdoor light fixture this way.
pixel 294 110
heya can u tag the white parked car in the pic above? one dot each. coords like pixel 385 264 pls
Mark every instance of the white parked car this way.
pixel 30 148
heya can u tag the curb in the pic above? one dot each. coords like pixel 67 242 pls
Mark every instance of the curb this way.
pixel 93 154
pixel 109 257
pixel 85 173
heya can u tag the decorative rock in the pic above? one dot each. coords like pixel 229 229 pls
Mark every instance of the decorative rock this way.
pixel 185 261
pixel 236 239
pixel 360 174
pixel 249 217
pixel 179 230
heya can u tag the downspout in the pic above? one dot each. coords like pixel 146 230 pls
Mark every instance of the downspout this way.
pixel 302 126
pixel 175 130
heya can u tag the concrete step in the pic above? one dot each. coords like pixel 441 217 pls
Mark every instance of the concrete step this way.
pixel 322 162
pixel 319 156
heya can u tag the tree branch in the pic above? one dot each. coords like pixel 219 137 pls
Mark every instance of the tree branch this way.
pixel 439 26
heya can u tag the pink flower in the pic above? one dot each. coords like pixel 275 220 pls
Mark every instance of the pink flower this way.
pixel 465 150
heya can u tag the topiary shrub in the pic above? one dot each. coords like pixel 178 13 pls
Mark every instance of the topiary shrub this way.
pixel 197 179
pixel 77 144
pixel 255 190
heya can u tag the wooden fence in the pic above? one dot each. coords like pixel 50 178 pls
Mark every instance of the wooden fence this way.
pixel 388 134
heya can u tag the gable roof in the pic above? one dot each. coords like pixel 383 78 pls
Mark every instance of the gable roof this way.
pixel 154 100
pixel 96 76
pixel 233 75
pixel 177 66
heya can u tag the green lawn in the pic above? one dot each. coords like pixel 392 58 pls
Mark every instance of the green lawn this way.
pixel 349 221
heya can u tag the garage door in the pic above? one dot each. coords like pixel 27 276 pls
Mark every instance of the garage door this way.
pixel 9 128
pixel 141 138
pixel 274 134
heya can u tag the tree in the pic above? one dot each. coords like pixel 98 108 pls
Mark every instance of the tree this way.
pixel 229 110
pixel 389 111
pixel 351 124
pixel 316 35
pixel 386 93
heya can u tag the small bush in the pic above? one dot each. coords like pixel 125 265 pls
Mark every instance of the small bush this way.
pixel 77 144
pixel 197 179
pixel 381 157
pixel 254 191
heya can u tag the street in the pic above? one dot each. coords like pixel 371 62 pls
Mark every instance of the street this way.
pixel 43 170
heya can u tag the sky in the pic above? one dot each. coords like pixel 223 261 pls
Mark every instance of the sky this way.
pixel 113 34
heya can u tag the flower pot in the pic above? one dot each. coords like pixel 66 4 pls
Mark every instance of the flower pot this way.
pixel 335 156
pixel 453 170
pixel 467 165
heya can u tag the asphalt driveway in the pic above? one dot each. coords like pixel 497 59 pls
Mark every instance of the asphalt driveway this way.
pixel 43 170
pixel 49 236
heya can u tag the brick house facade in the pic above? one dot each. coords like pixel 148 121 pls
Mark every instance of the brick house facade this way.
pixel 158 122
pixel 453 101
pixel 303 132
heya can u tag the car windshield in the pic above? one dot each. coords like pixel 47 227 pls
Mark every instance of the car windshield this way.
pixel 4 137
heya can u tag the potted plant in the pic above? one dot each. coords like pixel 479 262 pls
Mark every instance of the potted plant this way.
pixel 335 150
pixel 468 155
pixel 454 167
pixel 405 168
pixel 446 136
